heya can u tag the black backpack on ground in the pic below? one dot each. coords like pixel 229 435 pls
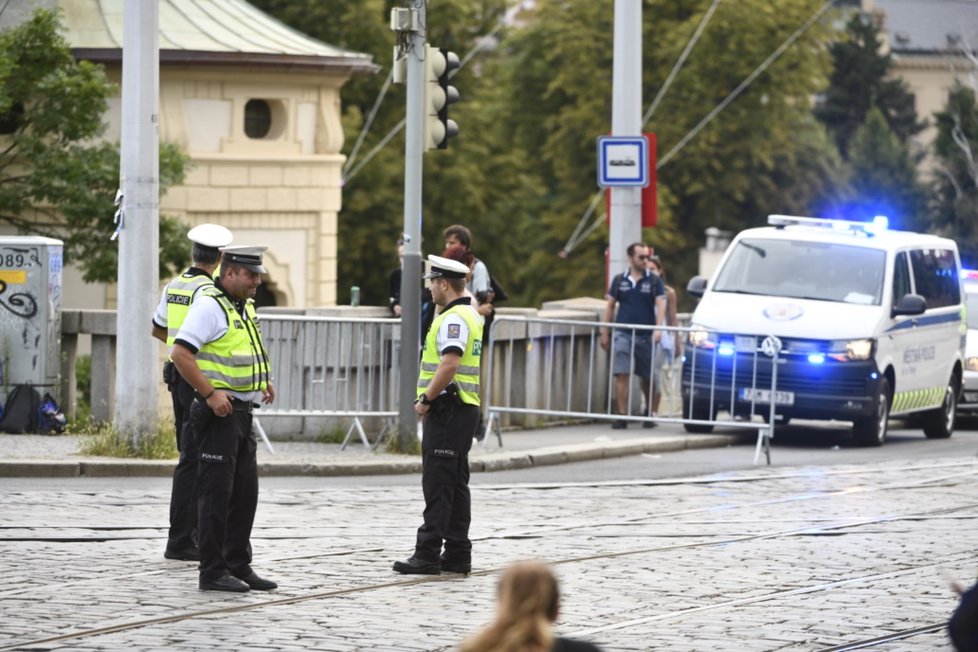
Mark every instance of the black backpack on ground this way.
pixel 20 410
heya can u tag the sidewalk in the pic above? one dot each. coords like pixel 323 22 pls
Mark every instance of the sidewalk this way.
pixel 59 456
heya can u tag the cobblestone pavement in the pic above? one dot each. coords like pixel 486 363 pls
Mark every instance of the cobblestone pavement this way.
pixel 767 559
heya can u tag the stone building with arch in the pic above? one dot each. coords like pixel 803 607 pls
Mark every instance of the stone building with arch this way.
pixel 256 106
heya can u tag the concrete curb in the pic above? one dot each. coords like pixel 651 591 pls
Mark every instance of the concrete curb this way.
pixel 479 462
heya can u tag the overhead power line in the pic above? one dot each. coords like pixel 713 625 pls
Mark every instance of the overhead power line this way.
pixel 480 44
pixel 711 115
pixel 580 232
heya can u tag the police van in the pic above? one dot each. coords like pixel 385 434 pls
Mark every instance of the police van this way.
pixel 869 323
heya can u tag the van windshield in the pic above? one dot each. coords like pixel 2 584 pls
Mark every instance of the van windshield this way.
pixel 804 270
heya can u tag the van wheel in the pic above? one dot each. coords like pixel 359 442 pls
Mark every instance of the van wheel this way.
pixel 700 413
pixel 871 431
pixel 939 423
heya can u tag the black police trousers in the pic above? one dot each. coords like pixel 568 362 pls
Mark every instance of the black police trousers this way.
pixel 445 444
pixel 227 489
pixel 183 503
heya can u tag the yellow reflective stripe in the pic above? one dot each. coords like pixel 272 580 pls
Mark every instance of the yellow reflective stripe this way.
pixel 918 399
pixel 462 369
pixel 234 360
pixel 423 382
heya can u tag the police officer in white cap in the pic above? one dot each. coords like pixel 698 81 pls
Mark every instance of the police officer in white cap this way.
pixel 448 401
pixel 220 351
pixel 172 310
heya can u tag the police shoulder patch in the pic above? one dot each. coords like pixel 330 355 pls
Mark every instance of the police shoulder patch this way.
pixel 454 331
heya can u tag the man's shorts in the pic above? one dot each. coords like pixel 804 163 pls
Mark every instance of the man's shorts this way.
pixel 622 348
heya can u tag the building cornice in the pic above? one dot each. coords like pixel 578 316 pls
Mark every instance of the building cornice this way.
pixel 343 65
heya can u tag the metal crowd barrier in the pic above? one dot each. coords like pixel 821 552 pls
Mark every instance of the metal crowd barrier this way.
pixel 334 367
pixel 550 370
pixel 535 371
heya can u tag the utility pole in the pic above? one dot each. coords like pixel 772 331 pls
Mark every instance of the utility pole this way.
pixel 137 380
pixel 626 120
pixel 412 34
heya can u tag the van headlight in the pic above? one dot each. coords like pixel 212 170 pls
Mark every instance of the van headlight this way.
pixel 703 339
pixel 844 350
pixel 971 364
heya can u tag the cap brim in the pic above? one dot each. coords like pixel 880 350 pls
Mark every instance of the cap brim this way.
pixel 257 269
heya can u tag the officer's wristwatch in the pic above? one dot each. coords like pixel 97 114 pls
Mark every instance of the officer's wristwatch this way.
pixel 423 399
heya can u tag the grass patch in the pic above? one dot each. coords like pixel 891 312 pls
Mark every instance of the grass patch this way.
pixel 104 440
pixel 334 435
pixel 393 445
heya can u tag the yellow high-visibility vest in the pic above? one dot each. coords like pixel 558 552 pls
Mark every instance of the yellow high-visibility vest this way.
pixel 180 294
pixel 237 360
pixel 467 376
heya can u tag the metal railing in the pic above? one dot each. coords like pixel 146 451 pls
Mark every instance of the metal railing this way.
pixel 335 372
pixel 334 368
pixel 566 374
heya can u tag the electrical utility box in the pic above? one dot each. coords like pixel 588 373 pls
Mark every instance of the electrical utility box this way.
pixel 30 312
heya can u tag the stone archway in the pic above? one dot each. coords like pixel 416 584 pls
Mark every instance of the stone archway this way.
pixel 272 292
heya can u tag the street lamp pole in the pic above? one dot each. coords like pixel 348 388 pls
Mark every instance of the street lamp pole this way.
pixel 626 120
pixel 137 380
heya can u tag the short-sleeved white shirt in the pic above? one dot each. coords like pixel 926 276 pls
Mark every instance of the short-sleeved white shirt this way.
pixel 453 333
pixel 206 321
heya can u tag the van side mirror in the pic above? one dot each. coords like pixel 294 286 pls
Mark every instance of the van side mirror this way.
pixel 696 286
pixel 909 304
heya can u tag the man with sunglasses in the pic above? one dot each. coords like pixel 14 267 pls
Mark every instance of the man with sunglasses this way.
pixel 640 298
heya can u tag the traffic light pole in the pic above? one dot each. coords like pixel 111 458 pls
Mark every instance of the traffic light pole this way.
pixel 411 271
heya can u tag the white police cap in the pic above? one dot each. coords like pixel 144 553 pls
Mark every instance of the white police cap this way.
pixel 445 268
pixel 210 235
pixel 248 257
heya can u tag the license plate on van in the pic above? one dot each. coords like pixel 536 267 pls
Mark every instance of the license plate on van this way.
pixel 764 396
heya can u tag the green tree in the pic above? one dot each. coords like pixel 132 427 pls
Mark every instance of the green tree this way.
pixel 883 177
pixel 954 209
pixel 56 178
pixel 762 154
pixel 859 83
pixel 522 171
pixel 372 217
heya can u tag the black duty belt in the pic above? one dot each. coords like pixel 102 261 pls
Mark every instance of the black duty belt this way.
pixel 242 406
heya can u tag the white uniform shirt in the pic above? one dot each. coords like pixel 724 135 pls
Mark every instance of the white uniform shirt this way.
pixel 453 333
pixel 206 321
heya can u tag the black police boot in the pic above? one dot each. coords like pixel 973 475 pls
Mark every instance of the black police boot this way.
pixel 415 566
pixel 256 583
pixel 449 566
pixel 224 583
pixel 190 553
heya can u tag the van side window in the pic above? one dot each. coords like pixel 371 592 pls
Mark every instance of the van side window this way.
pixel 901 277
pixel 935 275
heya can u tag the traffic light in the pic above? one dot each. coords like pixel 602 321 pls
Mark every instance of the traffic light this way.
pixel 440 65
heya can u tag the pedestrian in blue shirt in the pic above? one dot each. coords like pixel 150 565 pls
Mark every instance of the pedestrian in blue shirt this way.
pixel 640 297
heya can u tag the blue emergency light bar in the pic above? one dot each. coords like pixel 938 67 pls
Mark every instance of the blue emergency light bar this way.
pixel 879 223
